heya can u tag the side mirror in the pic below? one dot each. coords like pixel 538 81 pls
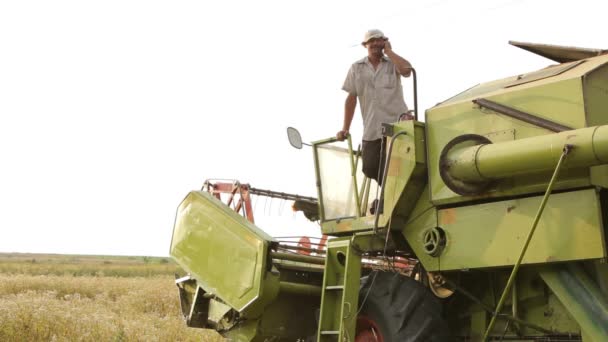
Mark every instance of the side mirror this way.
pixel 295 139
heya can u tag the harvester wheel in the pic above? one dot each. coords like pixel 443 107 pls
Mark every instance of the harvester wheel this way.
pixel 396 308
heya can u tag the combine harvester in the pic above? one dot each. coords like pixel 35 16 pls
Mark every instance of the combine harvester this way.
pixel 498 202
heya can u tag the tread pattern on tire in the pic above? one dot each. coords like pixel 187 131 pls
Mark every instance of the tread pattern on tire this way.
pixel 404 309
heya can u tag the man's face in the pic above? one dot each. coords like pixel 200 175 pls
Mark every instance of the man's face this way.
pixel 374 47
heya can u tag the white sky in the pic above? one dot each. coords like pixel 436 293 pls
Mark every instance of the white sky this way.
pixel 111 111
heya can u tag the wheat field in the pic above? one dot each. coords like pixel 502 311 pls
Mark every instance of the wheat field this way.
pixel 91 298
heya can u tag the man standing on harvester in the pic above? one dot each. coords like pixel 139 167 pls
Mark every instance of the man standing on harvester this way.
pixel 376 81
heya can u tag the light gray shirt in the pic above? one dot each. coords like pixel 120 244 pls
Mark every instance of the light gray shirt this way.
pixel 380 94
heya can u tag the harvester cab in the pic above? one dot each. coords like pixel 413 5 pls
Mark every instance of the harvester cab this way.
pixel 493 227
pixel 349 201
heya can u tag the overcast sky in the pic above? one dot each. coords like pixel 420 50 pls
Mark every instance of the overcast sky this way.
pixel 111 111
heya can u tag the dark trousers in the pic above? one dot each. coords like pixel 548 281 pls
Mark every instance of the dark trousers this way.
pixel 373 155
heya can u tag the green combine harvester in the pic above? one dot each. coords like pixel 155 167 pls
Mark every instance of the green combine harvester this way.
pixel 491 226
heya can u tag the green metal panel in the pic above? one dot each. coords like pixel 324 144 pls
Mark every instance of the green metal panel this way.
pixel 505 85
pixel 560 102
pixel 224 252
pixel 407 174
pixel 423 218
pixel 339 300
pixel 217 311
pixel 289 318
pixel 595 88
pixel 348 226
pixel 599 175
pixel 492 234
pixel 541 74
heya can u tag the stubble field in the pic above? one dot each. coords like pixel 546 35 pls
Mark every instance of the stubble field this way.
pixel 91 298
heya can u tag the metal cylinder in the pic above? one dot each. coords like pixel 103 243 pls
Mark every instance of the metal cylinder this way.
pixel 300 289
pixel 481 163
pixel 298 258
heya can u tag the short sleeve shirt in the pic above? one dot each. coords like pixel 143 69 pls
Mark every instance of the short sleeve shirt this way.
pixel 380 94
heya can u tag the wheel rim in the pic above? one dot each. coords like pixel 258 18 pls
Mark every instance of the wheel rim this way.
pixel 367 330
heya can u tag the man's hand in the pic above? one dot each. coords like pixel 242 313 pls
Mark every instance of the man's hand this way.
pixel 388 48
pixel 404 68
pixel 341 135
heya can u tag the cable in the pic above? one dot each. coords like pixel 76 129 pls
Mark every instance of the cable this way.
pixel 367 294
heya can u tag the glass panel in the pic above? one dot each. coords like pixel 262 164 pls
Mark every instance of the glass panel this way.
pixel 337 186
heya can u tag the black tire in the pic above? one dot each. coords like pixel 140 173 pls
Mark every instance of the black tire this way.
pixel 402 309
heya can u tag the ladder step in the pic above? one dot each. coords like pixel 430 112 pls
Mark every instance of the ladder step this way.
pixel 335 287
pixel 330 332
